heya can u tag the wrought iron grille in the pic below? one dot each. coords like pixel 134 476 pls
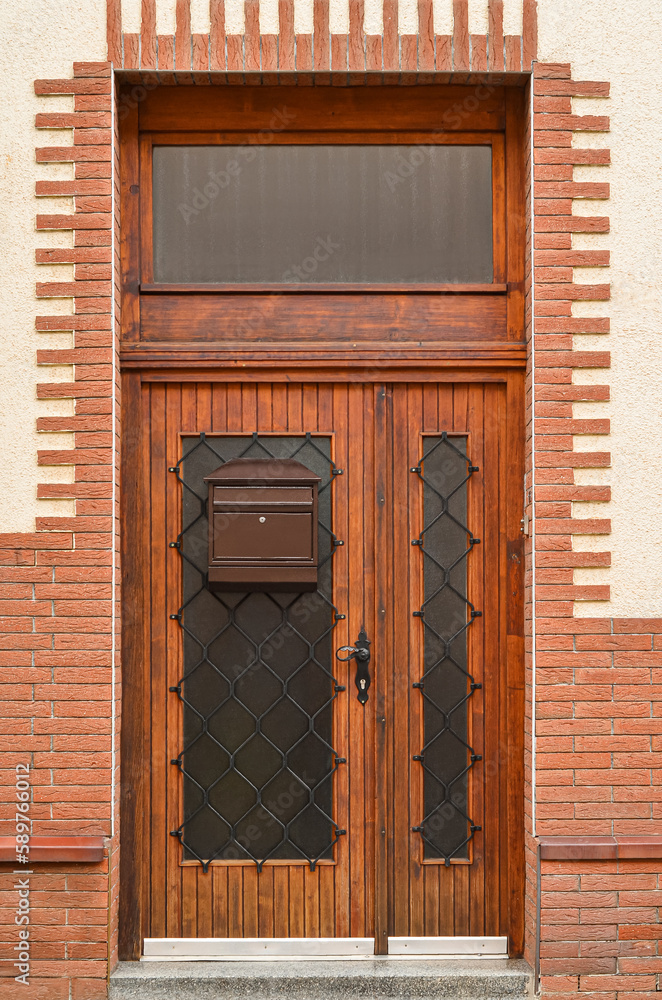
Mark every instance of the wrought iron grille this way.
pixel 446 685
pixel 257 686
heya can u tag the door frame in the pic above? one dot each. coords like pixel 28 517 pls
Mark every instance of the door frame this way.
pixel 135 839
pixel 500 356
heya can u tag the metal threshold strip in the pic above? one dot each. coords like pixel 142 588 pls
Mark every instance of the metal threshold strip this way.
pixel 307 949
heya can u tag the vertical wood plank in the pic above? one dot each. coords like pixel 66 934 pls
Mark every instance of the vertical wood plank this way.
pixel 265 902
pixel 219 876
pixel 157 675
pixel 399 827
pixel 446 880
pixel 281 901
pixel 219 408
pixel 235 395
pixel 382 616
pixel 514 918
pixel 235 901
pixel 249 407
pixel 415 890
pixel 168 528
pixel 134 790
pixel 483 500
pixel 461 900
pixel 327 894
pixel 297 908
pixel 311 882
pixel 250 921
pixel 189 893
pixel 339 878
pixel 432 901
pixel 359 804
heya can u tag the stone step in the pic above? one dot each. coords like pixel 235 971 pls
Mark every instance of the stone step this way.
pixel 366 979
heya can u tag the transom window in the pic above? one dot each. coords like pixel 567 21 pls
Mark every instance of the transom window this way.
pixel 330 214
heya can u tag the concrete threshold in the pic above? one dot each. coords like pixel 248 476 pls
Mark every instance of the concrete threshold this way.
pixel 372 979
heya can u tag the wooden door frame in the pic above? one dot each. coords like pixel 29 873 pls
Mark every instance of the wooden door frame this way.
pixel 487 360
pixel 135 841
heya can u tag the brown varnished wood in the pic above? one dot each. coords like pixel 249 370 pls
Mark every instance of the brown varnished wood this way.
pixel 130 230
pixel 163 914
pixel 134 794
pixel 369 360
pixel 515 232
pixel 515 671
pixel 291 288
pixel 177 899
pixel 303 319
pixel 234 899
pixel 245 109
pixel 382 625
pixel 232 361
pixel 479 897
pixel 353 896
pixel 254 314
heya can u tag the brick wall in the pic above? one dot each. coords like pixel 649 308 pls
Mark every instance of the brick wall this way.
pixel 600 928
pixel 58 636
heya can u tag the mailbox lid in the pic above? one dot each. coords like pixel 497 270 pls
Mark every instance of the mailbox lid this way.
pixel 263 472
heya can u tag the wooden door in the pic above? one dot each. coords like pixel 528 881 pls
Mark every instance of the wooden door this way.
pixel 379 878
pixel 455 684
pixel 234 896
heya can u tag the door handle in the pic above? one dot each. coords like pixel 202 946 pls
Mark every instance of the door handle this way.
pixel 360 652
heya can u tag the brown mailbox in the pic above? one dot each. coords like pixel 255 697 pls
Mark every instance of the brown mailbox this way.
pixel 262 526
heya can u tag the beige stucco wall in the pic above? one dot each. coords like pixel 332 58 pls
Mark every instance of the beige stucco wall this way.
pixel 41 38
pixel 618 41
pixel 602 40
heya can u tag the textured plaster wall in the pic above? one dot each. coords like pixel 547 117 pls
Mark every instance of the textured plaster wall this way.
pixel 603 39
pixel 41 38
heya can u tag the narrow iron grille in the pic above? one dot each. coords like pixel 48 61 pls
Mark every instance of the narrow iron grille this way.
pixel 257 686
pixel 445 685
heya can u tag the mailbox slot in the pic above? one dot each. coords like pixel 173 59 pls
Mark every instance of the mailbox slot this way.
pixel 262 526
pixel 260 495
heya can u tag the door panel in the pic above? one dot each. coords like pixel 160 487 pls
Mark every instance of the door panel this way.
pixel 379 880
pixel 285 898
pixel 467 896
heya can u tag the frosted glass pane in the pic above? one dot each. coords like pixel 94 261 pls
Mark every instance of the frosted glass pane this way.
pixel 291 214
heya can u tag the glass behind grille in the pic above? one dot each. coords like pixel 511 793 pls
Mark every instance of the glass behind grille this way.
pixel 291 214
pixel 257 685
pixel 447 613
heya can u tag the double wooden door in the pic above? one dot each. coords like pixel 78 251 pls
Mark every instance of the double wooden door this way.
pixel 276 803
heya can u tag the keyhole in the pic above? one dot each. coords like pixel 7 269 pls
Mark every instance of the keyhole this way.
pixel 362 684
pixel 262 520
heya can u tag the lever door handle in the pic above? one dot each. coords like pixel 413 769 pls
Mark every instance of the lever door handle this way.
pixel 360 652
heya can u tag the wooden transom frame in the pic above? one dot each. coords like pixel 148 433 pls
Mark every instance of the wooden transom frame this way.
pixel 169 326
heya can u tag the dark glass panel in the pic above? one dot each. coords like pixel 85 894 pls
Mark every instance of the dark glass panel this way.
pixel 445 680
pixel 257 688
pixel 290 214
